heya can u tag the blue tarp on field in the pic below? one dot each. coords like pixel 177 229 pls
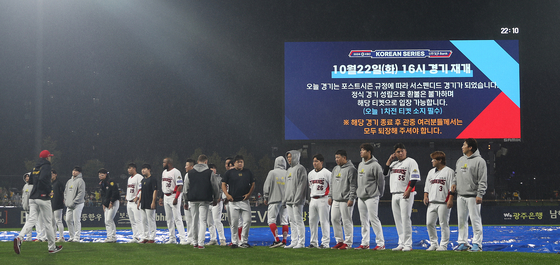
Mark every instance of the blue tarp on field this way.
pixel 537 239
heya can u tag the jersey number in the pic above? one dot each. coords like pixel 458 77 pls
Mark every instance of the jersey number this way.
pixel 402 178
pixel 319 187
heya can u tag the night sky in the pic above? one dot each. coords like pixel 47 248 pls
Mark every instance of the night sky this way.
pixel 137 80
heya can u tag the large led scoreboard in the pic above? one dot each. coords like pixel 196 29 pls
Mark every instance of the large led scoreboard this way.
pixel 451 89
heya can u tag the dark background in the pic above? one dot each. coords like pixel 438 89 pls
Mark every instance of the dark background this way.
pixel 128 80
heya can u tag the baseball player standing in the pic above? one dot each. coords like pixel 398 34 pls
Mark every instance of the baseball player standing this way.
pixel 74 198
pixel 273 192
pixel 294 198
pixel 202 190
pixel 319 185
pixel 470 181
pixel 403 174
pixel 438 196
pixel 342 198
pixel 172 187
pixel 133 187
pixel 371 185
pixel 111 195
pixel 186 207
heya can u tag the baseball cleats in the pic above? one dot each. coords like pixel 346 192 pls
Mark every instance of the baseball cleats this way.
pixel 151 241
pixel 344 246
pixel 324 247
pixel 398 248
pixel 432 248
pixel 407 249
pixel 200 247
pixel 60 240
pixel 277 244
pixel 245 245
pixel 170 242
pixel 338 245
pixel 56 249
pixel 299 246
pixel 133 240
pixel 378 248
pixel 222 242
pixel 234 246
pixel 442 248
pixel 291 245
pixel 17 245
pixel 312 246
pixel 362 247
pixel 475 248
pixel 212 242
pixel 462 247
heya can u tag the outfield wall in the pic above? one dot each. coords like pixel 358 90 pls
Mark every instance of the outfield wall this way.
pixel 491 215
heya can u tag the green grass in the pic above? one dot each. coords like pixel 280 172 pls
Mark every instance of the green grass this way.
pixel 101 253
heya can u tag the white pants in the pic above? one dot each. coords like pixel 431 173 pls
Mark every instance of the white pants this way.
pixel 341 216
pixel 29 236
pixel 275 210
pixel 110 222
pixel 74 222
pixel 467 208
pixel 297 227
pixel 240 208
pixel 174 217
pixel 319 211
pixel 135 216
pixel 149 223
pixel 402 210
pixel 39 210
pixel 215 221
pixel 57 223
pixel 369 216
pixel 190 225
pixel 435 211
pixel 199 213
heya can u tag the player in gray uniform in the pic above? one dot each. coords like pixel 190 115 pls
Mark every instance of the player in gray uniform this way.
pixel 342 198
pixel 297 192
pixel 438 196
pixel 470 181
pixel 371 185
pixel 273 192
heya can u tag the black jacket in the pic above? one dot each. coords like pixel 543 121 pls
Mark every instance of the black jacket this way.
pixel 41 180
pixel 109 191
pixel 58 194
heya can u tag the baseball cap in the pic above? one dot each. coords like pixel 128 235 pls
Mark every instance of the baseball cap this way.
pixel 45 154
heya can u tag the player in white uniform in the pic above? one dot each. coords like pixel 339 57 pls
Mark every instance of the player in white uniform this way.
pixel 186 206
pixel 403 174
pixel 438 196
pixel 172 188
pixel 471 182
pixel 132 200
pixel 371 185
pixel 319 183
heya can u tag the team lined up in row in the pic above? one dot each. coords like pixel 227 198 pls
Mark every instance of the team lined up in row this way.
pixel 338 191
pixel 285 192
